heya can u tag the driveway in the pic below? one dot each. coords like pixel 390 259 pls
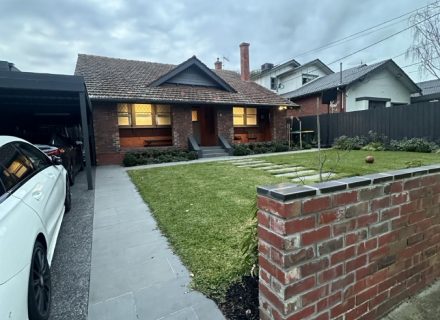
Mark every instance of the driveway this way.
pixel 134 273
pixel 71 262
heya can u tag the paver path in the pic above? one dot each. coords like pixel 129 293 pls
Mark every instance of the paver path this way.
pixel 297 173
pixel 134 274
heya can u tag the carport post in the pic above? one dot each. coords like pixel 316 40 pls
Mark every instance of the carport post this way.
pixel 86 142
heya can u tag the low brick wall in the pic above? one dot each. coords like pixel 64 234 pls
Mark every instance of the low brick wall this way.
pixel 348 249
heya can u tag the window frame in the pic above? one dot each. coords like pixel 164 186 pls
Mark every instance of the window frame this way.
pixel 154 115
pixel 245 116
pixel 374 107
pixel 273 83
pixel 307 77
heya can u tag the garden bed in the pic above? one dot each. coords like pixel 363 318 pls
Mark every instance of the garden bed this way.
pixel 205 208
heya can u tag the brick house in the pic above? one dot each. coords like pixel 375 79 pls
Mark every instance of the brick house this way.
pixel 379 85
pixel 138 104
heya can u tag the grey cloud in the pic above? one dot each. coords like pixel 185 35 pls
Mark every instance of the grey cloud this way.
pixel 46 36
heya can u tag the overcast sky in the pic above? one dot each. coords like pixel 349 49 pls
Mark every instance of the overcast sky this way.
pixel 46 36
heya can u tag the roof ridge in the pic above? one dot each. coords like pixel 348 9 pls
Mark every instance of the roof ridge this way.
pixel 123 59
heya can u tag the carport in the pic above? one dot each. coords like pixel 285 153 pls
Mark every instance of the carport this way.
pixel 29 98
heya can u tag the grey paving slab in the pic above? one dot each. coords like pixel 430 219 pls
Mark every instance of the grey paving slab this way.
pixel 134 273
pixel 286 169
pixel 122 307
pixel 313 177
pixel 271 166
pixel 298 173
pixel 424 306
pixel 255 165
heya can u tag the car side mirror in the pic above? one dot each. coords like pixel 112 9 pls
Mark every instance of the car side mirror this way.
pixel 56 160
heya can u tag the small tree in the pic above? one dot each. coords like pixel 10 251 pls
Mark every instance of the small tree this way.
pixel 426 39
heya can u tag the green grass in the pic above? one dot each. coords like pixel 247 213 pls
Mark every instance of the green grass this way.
pixel 204 208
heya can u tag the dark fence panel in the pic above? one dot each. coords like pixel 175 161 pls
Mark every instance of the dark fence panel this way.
pixel 420 120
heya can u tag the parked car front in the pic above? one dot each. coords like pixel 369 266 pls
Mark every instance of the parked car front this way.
pixel 34 195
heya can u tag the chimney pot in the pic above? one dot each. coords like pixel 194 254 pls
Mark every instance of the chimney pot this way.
pixel 244 61
pixel 218 64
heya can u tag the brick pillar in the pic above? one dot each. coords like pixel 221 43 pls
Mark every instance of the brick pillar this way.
pixel 105 123
pixel 225 126
pixel 278 124
pixel 181 125
pixel 348 249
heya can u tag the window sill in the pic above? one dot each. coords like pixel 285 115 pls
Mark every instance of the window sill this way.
pixel 144 127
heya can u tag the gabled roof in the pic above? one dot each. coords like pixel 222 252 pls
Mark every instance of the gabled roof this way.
pixel 349 76
pixel 315 62
pixel 193 65
pixel 258 73
pixel 429 87
pixel 132 80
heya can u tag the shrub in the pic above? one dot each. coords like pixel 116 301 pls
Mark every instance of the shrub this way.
pixel 241 150
pixel 349 143
pixel 374 146
pixel 413 145
pixel 259 147
pixel 153 156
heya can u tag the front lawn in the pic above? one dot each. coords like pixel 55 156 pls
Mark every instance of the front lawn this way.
pixel 204 208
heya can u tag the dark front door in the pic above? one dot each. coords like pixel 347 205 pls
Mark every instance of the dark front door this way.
pixel 208 130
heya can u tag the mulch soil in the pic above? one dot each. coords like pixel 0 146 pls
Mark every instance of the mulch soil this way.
pixel 241 302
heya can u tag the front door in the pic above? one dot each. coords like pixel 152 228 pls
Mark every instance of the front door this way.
pixel 208 127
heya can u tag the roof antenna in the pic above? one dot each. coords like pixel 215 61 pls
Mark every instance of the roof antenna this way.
pixel 224 59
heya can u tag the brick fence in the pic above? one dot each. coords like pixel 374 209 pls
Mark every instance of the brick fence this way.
pixel 348 249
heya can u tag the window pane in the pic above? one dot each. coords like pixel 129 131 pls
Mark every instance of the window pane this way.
pixel 237 111
pixel 160 108
pixel 251 119
pixel 143 115
pixel 124 115
pixel 163 119
pixel 194 115
pixel 251 110
pixel 238 120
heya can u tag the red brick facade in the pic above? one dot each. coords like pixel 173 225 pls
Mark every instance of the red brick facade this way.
pixel 349 254
pixel 108 135
pixel 308 106
pixel 182 125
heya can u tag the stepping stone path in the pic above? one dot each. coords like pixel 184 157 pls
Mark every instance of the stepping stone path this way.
pixel 298 173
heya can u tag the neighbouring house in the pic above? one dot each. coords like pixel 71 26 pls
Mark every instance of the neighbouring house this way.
pixel 379 85
pixel 139 104
pixel 290 75
pixel 430 92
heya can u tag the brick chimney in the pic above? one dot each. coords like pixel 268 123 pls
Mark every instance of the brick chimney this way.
pixel 244 60
pixel 218 64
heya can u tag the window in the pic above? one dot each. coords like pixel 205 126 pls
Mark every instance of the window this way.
pixel 14 167
pixel 308 77
pixel 245 116
pixel 143 115
pixel 194 115
pixel 273 83
pixel 376 104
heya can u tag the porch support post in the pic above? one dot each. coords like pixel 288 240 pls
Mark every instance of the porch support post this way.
pixel 278 124
pixel 181 125
pixel 225 126
pixel 86 140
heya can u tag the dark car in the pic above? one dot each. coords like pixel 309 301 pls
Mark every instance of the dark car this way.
pixel 67 149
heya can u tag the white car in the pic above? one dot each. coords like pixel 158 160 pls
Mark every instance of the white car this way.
pixel 34 194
